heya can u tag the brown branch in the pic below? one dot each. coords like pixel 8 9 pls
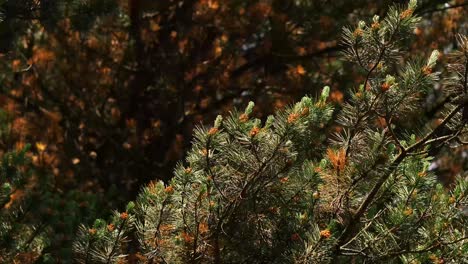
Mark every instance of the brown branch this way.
pixel 355 220
pixel 429 248
pixel 445 8
pixel 392 133
pixel 282 58
pixel 116 241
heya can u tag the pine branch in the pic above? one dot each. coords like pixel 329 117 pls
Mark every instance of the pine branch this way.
pixel 356 219
pixel 436 245
pixel 116 241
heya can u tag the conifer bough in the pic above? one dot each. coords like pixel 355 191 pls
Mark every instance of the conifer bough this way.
pixel 283 191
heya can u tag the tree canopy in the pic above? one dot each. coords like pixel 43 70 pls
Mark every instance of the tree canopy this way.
pixel 102 100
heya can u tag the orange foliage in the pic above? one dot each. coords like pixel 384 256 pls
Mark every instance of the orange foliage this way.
pixel 187 237
pixel 14 197
pixel 42 56
pixel 124 215
pixel 254 131
pixel 325 233
pixel 292 118
pixel 169 189
pixel 300 70
pixel 336 96
pixel 337 158
pixel 203 228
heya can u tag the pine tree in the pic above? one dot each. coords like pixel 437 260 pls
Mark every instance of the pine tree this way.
pixel 254 192
pixel 15 235
pixel 37 220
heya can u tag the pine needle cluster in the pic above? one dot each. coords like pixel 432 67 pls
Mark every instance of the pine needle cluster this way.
pixel 252 191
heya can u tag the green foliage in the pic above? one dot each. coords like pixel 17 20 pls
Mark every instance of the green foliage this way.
pixel 237 172
pixel 279 189
pixel 37 220
pixel 103 241
pixel 257 193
